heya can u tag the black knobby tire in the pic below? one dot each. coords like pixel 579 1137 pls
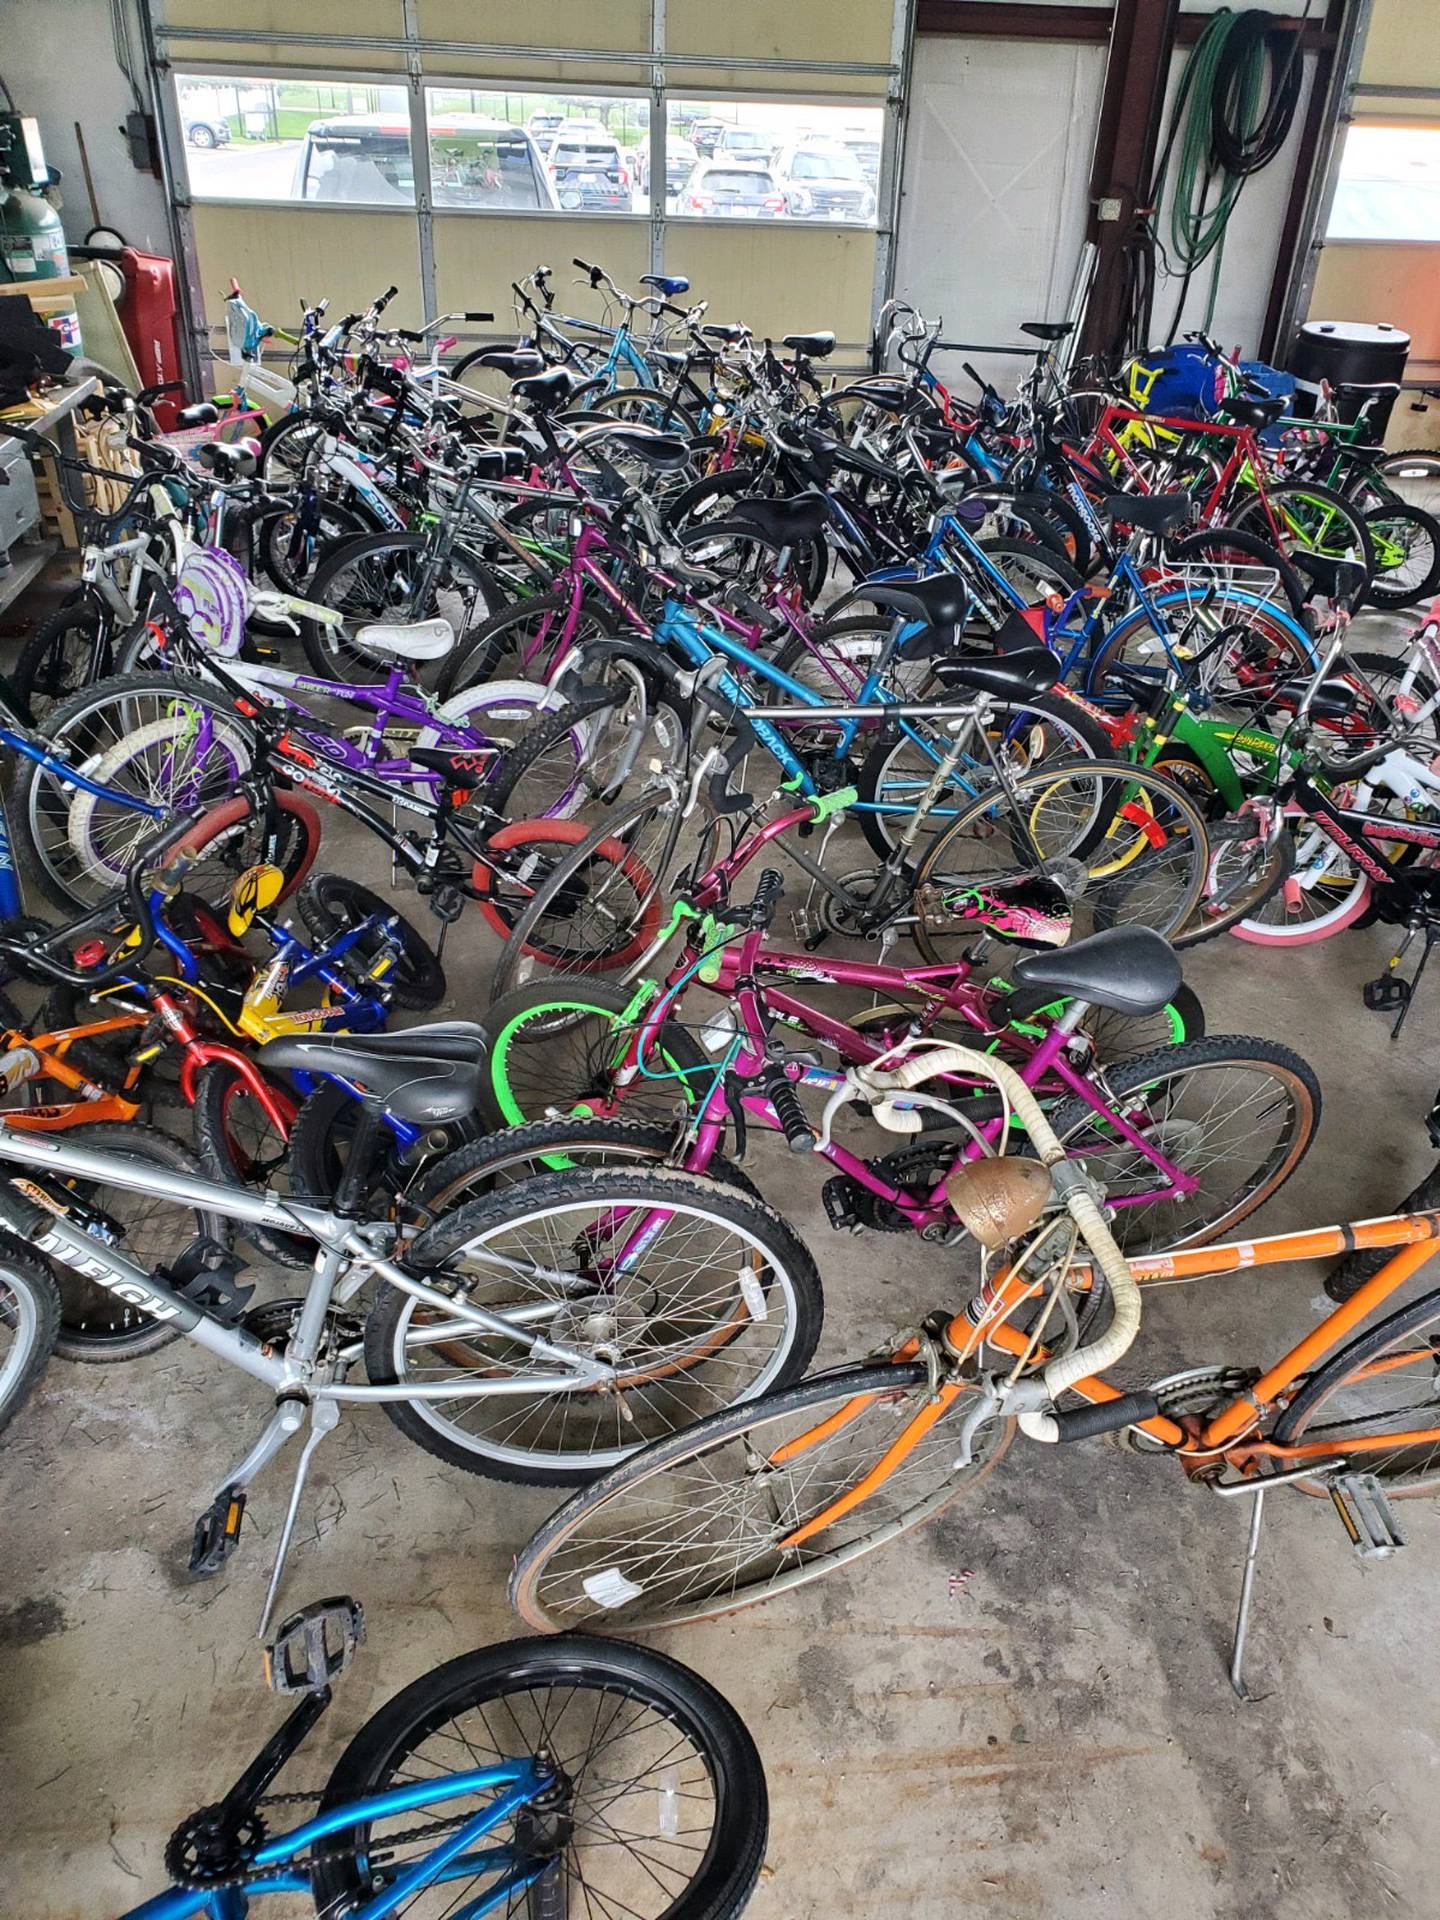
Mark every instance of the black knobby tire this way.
pixel 330 905
pixel 329 654
pixel 70 650
pixel 320 1149
pixel 730 1862
pixel 574 1065
pixel 1384 591
pixel 544 1196
pixel 471 1170
pixel 549 736
pixel 96 1326
pixel 1148 1071
pixel 1350 1274
pixel 223 1106
pixel 23 1272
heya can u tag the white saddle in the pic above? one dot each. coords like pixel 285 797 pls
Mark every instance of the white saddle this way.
pixel 413 640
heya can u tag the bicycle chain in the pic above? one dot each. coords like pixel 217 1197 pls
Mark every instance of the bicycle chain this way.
pixel 322 1857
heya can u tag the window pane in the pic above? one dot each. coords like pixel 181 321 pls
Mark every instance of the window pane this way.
pixel 752 160
pixel 571 153
pixel 1389 186
pixel 328 141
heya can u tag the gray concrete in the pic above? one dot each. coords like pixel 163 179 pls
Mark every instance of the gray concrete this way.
pixel 1019 1712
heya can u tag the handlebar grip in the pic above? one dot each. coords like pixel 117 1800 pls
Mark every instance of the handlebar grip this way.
pixel 767 898
pixel 385 299
pixel 350 320
pixel 481 319
pixel 788 1111
pixel 147 394
pixel 583 265
pixel 1108 1417
pixel 408 333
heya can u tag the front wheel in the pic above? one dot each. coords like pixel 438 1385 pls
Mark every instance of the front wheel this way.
pixel 696 1296
pixel 701 1524
pixel 385 952
pixel 29 1322
pixel 662 1813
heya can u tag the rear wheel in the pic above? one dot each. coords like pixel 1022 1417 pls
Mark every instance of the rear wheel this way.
pixel 391 577
pixel 663 1814
pixel 1407 555
pixel 696 1525
pixel 239 1144
pixel 29 1322
pixel 334 908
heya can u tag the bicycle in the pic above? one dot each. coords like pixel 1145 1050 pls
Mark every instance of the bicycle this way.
pixel 762 1500
pixel 549 1777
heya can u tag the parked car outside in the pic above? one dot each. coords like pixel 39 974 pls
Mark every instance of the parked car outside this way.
pixel 364 159
pixel 706 135
pixel 681 158
pixel 206 131
pixel 543 127
pixel 588 171
pixel 745 143
pixel 822 180
pixel 732 190
pixel 866 149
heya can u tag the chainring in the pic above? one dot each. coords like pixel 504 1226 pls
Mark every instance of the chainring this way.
pixel 201 1854
pixel 1192 1394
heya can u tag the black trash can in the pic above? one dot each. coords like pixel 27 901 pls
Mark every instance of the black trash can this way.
pixel 1354 353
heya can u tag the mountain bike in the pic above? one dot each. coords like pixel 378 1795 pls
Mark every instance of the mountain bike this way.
pixel 762 1500
pixel 551 1777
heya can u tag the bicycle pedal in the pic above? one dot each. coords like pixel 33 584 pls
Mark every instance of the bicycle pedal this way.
pixel 217 1532
pixel 838 1194
pixel 1386 994
pixel 1366 1515
pixel 314 1646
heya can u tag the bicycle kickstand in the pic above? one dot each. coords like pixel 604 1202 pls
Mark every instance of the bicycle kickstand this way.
pixel 324 1418
pixel 1256 1490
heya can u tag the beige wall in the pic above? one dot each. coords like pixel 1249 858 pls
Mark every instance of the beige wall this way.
pixel 1377 280
pixel 281 254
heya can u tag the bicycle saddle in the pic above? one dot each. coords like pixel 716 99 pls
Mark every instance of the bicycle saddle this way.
pixel 1128 969
pixel 546 391
pixel 427 1075
pixel 728 331
pixel 1255 414
pixel 202 414
pixel 496 463
pixel 1336 579
pixel 778 523
pixel 456 766
pixel 810 346
pixel 1150 512
pixel 667 283
pixel 1334 699
pixel 1048 329
pixel 664 451
pixel 517 363
pixel 1022 675
pixel 941 601
pixel 408 639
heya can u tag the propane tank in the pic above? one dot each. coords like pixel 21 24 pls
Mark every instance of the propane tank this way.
pixel 32 238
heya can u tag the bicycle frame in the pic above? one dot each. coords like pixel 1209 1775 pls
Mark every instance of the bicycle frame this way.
pixel 514 1783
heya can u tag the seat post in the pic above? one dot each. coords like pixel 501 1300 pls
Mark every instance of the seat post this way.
pixel 355 1179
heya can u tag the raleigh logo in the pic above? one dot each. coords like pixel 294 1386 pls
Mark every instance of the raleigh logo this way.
pixel 95 1267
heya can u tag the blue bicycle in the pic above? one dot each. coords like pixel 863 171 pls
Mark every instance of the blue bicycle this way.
pixel 544 1778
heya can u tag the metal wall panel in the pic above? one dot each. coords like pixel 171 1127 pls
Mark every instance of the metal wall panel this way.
pixel 476 258
pixel 779 279
pixel 281 254
pixel 803 30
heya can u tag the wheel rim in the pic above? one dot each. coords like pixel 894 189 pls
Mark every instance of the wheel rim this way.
pixel 1395 1387
pixel 19 1333
pixel 551 1059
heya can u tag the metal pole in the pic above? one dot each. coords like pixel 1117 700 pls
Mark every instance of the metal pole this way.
pixel 659 133
pixel 420 161
pixel 889 187
pixel 194 327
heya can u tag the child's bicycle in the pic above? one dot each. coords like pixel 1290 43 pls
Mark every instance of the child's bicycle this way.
pixel 763 1498
pixel 541 1778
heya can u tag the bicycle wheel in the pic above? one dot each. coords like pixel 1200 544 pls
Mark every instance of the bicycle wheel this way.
pixel 723 1303
pixel 521 640
pixel 1347 1276
pixel 1304 517
pixel 553 1047
pixel 1234 1114
pixel 380 577
pixel 333 907
pixel 69 651
pixel 1381 1387
pixel 227 839
pixel 1086 844
pixel 515 717
pixel 239 1145
pixel 1243 649
pixel 97 1326
pixel 1320 896
pixel 599 907
pixel 694 1526
pixel 663 1814
pixel 896 773
pixel 521 862
pixel 1245 872
pixel 29 1323
pixel 1407 555
pixel 646 407
pixel 551 1146
pixel 171 741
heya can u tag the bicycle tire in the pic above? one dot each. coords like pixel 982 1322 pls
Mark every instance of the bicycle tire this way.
pixel 331 905
pixel 320 1148
pixel 226 1157
pixel 1348 1275
pixel 548 1014
pixel 1290 646
pixel 646 406
pixel 489 644
pixel 1145 1076
pixel 1401 1481
pixel 97 1327
pixel 335 657
pixel 1196 546
pixel 1226 836
pixel 1251 517
pixel 30 1309
pixel 807 1401
pixel 771 1247
pixel 382 1754
pixel 1099 850
pixel 46 656
pixel 1384 591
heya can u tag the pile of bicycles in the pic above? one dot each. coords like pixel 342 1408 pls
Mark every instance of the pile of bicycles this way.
pixel 1003 706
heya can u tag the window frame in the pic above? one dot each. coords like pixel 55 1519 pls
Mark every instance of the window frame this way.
pixel 1386 123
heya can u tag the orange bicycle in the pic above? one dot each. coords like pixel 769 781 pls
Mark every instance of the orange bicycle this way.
pixel 773 1493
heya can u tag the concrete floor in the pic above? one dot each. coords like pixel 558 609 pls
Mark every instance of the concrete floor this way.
pixel 1019 1712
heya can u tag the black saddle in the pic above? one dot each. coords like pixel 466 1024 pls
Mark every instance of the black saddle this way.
pixel 1150 512
pixel 941 601
pixel 202 414
pixel 1336 579
pixel 227 462
pixel 778 523
pixel 496 463
pixel 810 346
pixel 547 391
pixel 456 766
pixel 1048 329
pixel 1128 969
pixel 676 362
pixel 728 331
pixel 669 284
pixel 429 1075
pixel 1022 675
pixel 664 451
pixel 516 363
pixel 1255 414
pixel 1334 699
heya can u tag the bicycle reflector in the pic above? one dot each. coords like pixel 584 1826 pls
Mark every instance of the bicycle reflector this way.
pixel 314 1646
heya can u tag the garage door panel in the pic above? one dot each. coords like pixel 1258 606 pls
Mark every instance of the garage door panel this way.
pixel 779 280
pixel 615 25
pixel 281 254
pixel 476 258
pixel 344 18
pixel 798 30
